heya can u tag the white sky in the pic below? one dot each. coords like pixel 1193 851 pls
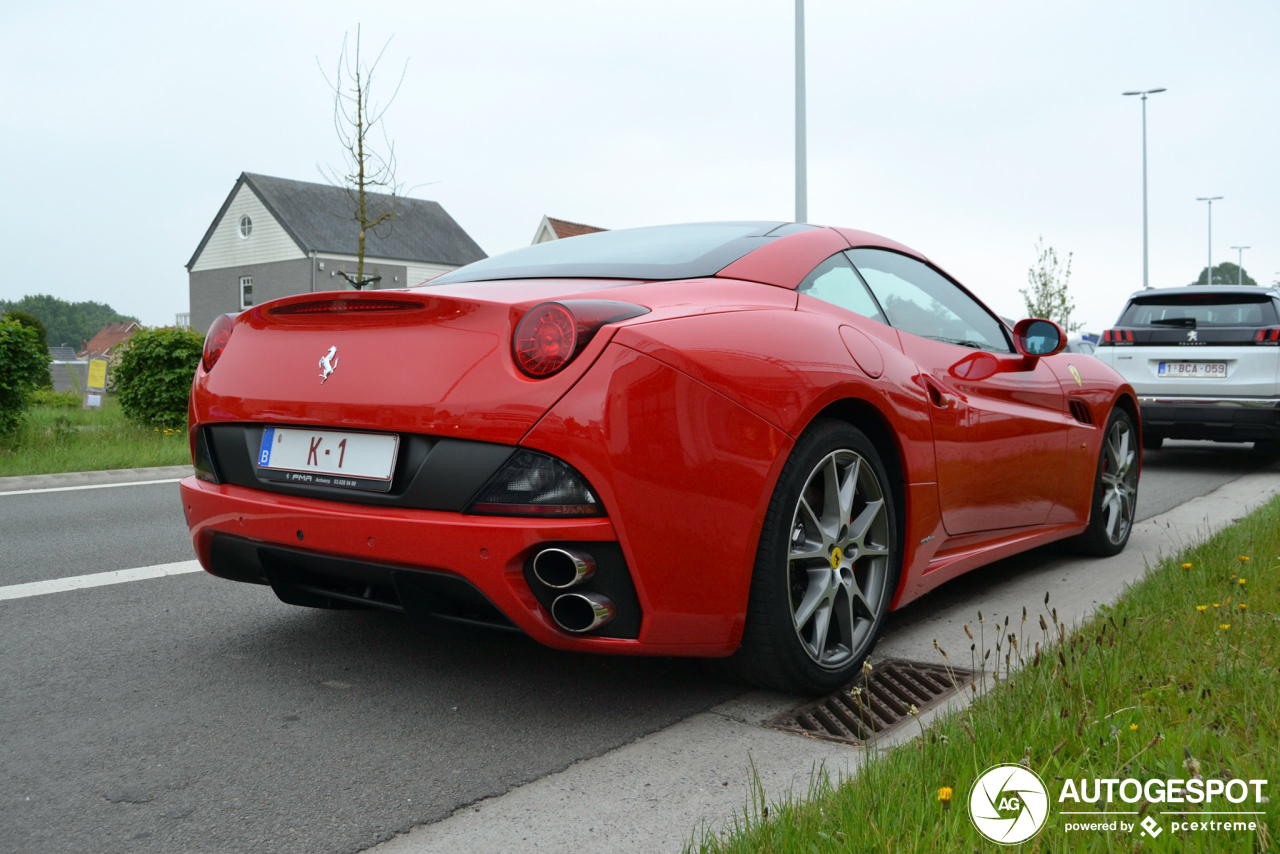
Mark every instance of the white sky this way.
pixel 965 130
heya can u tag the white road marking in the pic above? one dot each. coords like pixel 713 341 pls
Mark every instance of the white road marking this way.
pixel 89 486
pixel 97 579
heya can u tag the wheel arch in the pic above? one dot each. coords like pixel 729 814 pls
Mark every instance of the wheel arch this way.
pixel 864 415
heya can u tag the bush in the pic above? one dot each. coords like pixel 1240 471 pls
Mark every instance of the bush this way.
pixel 56 399
pixel 22 365
pixel 30 321
pixel 155 373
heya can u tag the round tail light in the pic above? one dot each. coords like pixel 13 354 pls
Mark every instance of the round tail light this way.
pixel 546 339
pixel 216 340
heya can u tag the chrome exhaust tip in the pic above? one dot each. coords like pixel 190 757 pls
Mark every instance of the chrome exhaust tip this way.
pixel 581 612
pixel 561 569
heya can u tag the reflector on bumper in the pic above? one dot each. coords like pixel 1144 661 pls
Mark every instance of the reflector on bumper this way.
pixel 534 484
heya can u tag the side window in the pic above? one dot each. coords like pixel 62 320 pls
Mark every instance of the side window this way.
pixel 834 281
pixel 922 301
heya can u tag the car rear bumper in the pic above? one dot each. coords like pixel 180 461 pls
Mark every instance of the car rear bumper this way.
pixel 1222 419
pixel 433 565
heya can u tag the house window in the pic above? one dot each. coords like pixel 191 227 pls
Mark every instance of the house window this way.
pixel 246 226
pixel 246 291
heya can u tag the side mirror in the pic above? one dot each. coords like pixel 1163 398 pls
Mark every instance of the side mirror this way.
pixel 1035 337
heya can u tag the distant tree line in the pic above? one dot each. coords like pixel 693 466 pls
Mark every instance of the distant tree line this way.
pixel 1225 273
pixel 65 323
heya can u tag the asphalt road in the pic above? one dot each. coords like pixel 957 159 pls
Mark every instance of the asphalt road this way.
pixel 189 713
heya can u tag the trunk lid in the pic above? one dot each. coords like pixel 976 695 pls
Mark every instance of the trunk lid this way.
pixel 416 361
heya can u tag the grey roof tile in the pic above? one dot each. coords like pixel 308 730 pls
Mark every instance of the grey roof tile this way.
pixel 318 218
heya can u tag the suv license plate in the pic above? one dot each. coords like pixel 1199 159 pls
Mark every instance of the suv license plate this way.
pixel 1194 370
pixel 328 458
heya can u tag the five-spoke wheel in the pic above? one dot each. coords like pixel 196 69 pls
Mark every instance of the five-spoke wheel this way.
pixel 827 565
pixel 1115 491
pixel 837 559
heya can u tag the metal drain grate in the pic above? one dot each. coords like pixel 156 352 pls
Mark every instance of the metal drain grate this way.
pixel 893 686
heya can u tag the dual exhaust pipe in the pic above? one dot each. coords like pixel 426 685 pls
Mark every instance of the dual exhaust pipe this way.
pixel 562 569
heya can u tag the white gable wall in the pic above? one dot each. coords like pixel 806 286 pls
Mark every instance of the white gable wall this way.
pixel 415 273
pixel 268 241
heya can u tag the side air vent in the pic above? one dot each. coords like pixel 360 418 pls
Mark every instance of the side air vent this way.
pixel 1080 412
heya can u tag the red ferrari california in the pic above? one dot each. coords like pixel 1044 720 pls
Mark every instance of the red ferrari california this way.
pixel 748 440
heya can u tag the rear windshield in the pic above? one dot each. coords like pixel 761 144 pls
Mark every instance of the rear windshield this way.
pixel 656 252
pixel 1192 310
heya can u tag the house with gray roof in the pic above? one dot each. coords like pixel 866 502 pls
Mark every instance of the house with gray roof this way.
pixel 274 237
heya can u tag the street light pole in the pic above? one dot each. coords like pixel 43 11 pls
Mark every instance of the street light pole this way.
pixel 802 178
pixel 1146 283
pixel 1210 200
pixel 1240 264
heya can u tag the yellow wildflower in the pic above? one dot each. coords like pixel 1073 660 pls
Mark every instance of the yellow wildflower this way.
pixel 1241 581
pixel 1225 626
pixel 1242 606
pixel 1186 566
pixel 1244 558
pixel 1201 607
pixel 944 795
pixel 1132 727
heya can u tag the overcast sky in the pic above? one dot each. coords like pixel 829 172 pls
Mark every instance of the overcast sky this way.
pixel 965 130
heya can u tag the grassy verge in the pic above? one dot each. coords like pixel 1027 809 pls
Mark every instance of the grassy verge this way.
pixel 1180 678
pixel 58 439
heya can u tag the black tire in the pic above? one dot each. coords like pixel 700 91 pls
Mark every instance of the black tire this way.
pixel 778 646
pixel 1100 539
pixel 1152 443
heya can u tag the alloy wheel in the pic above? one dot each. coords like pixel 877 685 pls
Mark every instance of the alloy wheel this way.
pixel 838 557
pixel 1119 481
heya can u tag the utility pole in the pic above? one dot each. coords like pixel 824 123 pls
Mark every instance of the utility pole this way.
pixel 802 177
pixel 1210 200
pixel 1146 283
pixel 1240 264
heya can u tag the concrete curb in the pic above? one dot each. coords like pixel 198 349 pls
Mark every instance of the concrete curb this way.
pixel 655 793
pixel 92 478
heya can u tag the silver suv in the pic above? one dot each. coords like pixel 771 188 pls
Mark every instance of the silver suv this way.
pixel 1204 360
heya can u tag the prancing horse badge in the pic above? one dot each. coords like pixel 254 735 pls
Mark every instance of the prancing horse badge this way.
pixel 1076 374
pixel 328 364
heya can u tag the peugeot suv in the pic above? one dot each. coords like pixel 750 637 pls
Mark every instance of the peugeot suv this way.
pixel 1205 362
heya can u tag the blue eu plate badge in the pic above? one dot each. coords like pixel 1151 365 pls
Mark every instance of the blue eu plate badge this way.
pixel 268 439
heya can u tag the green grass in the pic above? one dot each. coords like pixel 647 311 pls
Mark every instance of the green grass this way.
pixel 1149 688
pixel 57 439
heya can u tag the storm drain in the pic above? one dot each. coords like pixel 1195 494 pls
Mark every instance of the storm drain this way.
pixel 876 702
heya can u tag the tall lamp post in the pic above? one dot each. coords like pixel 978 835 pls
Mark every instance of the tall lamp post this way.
pixel 1144 93
pixel 802 178
pixel 1210 200
pixel 1240 264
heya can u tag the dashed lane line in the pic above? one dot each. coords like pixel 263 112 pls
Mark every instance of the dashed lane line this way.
pixel 97 579
pixel 89 486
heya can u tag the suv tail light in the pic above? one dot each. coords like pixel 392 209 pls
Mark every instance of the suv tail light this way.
pixel 1267 336
pixel 551 334
pixel 1117 336
pixel 215 341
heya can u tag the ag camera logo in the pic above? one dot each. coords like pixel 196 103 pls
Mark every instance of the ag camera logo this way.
pixel 1008 804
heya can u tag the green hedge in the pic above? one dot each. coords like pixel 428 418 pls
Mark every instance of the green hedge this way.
pixel 155 373
pixel 23 365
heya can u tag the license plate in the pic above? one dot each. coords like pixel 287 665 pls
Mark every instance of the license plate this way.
pixel 1194 370
pixel 328 458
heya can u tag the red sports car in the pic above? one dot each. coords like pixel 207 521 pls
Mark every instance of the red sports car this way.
pixel 748 440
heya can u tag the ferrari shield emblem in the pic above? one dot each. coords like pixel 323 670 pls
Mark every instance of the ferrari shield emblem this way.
pixel 1076 375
